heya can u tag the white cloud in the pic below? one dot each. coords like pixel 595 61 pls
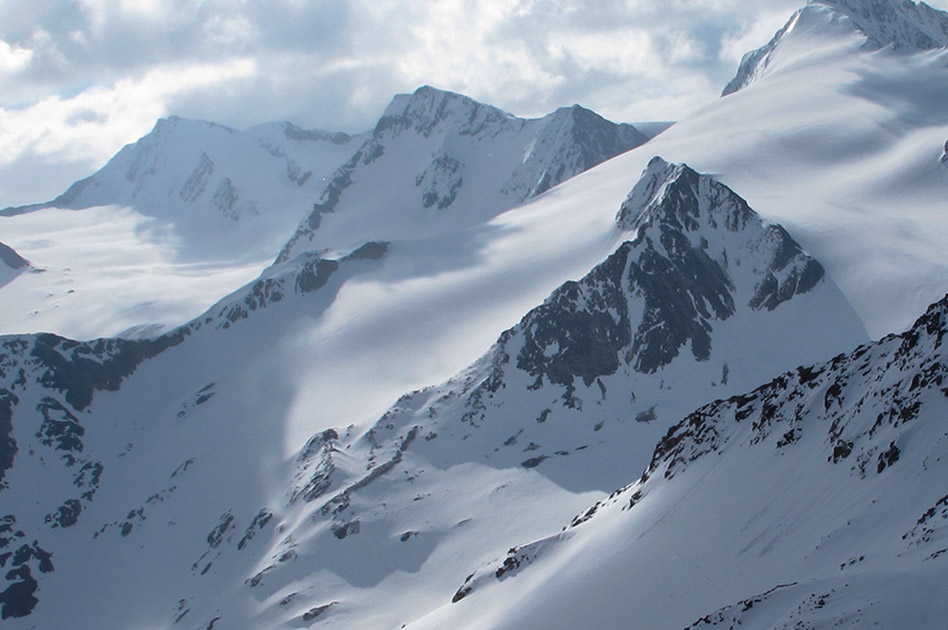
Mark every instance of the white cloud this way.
pixel 79 78
pixel 86 129
pixel 13 59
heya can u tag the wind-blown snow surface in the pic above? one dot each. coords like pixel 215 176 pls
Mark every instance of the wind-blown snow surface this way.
pixel 463 162
pixel 166 454
pixel 841 146
pixel 191 211
pixel 899 25
pixel 196 210
pixel 817 501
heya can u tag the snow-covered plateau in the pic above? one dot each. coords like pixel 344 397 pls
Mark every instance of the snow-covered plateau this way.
pixel 468 370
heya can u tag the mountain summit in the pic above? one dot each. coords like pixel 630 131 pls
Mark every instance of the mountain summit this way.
pixel 437 159
pixel 898 24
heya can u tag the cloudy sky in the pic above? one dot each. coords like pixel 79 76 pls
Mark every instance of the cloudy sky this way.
pixel 81 78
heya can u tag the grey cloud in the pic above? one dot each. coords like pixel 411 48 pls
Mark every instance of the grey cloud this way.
pixel 32 179
pixel 294 89
pixel 73 44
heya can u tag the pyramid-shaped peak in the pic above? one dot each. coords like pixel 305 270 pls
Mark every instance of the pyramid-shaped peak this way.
pixel 575 110
pixel 659 180
pixel 177 122
pixel 428 100
pixel 427 108
pixel 578 115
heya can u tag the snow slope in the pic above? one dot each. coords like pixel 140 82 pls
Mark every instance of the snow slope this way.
pixel 901 25
pixel 166 453
pixel 252 467
pixel 840 146
pixel 194 210
pixel 446 161
pixel 184 215
pixel 841 524
pixel 223 193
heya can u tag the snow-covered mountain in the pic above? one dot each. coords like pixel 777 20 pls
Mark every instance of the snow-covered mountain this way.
pixel 218 189
pixel 816 500
pixel 250 470
pixel 900 25
pixel 444 159
pixel 571 399
pixel 853 136
pixel 194 210
pixel 189 212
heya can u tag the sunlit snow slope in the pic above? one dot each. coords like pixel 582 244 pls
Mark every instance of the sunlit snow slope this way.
pixel 188 213
pixel 840 142
pixel 250 469
pixel 815 501
pixel 194 210
pixel 169 453
pixel 438 161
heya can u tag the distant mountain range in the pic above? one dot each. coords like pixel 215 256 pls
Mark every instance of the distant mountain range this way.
pixel 201 194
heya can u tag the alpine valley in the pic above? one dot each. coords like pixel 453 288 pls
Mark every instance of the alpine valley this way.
pixel 469 370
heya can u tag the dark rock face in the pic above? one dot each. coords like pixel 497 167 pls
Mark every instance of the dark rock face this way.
pixel 373 250
pixel 315 275
pixel 78 369
pixel 216 536
pixel 682 292
pixel 587 322
pixel 60 429
pixel 585 328
pixel 8 446
pixel 293 132
pixel 894 374
pixel 67 515
pixel 441 182
pixel 260 521
pixel 309 272
pixel 316 466
pixel 19 599
pixel 317 611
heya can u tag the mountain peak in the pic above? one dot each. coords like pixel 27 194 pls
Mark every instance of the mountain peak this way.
pixel 660 181
pixel 897 24
pixel 178 123
pixel 428 108
pixel 902 24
